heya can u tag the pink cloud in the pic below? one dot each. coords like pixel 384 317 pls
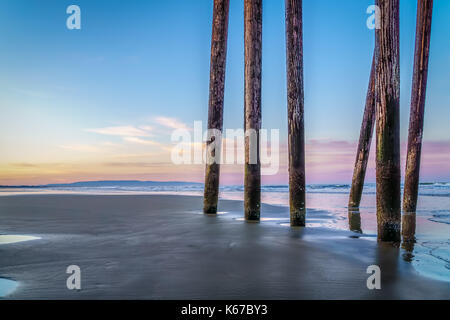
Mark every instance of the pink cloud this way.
pixel 329 161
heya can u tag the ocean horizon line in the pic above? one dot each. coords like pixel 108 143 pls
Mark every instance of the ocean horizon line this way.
pixel 100 183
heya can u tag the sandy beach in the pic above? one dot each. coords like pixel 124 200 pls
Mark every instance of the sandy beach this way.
pixel 163 247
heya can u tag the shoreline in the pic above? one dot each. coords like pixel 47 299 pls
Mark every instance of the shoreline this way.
pixel 147 239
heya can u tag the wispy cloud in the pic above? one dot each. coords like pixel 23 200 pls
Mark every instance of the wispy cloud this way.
pixel 90 148
pixel 81 147
pixel 124 131
pixel 31 93
pixel 171 123
pixel 23 165
pixel 129 134
pixel 137 164
pixel 141 141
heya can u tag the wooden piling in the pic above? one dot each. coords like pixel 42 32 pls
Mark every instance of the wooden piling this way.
pixel 216 97
pixel 409 227
pixel 419 87
pixel 295 105
pixel 365 139
pixel 408 234
pixel 354 220
pixel 252 108
pixel 387 97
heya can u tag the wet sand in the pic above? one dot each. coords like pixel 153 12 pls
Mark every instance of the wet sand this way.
pixel 162 247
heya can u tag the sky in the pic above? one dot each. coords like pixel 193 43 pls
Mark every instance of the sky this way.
pixel 101 103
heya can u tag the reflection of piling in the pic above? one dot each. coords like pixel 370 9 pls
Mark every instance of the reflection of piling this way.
pixel 419 87
pixel 295 99
pixel 354 220
pixel 387 97
pixel 216 97
pixel 365 139
pixel 252 106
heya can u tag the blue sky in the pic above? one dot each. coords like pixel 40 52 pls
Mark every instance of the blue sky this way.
pixel 135 61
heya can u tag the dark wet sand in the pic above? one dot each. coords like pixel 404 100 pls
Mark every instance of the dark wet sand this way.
pixel 157 247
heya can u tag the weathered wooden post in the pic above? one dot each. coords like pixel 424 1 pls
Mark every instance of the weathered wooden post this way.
pixel 354 220
pixel 365 139
pixel 252 107
pixel 409 226
pixel 419 87
pixel 387 98
pixel 295 104
pixel 408 234
pixel 216 96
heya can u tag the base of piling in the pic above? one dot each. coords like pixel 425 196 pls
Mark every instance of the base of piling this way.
pixel 389 231
pixel 210 210
pixel 354 220
pixel 252 216
pixel 298 217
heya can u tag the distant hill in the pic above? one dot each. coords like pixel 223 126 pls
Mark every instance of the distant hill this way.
pixel 110 183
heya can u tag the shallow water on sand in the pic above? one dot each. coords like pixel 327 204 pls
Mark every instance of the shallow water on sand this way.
pixel 7 286
pixel 430 255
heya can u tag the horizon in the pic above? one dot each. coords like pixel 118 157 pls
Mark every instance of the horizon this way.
pixel 193 182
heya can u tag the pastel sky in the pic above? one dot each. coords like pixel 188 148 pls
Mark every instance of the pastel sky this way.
pixel 101 102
